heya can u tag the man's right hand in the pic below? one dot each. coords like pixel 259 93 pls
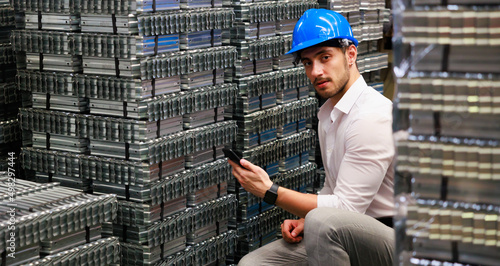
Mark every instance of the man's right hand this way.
pixel 292 230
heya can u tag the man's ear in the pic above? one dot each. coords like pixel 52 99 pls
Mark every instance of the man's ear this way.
pixel 352 54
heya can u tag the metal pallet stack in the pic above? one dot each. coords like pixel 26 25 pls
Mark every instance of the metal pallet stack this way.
pixel 273 111
pixel 128 97
pixel 46 223
pixel 366 18
pixel 10 98
pixel 446 62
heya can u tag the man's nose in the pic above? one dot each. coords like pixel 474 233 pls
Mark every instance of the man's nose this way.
pixel 316 70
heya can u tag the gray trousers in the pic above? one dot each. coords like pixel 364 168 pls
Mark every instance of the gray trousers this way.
pixel 331 237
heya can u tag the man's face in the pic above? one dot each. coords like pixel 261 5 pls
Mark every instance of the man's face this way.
pixel 327 69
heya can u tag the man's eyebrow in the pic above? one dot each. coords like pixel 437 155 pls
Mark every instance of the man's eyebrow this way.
pixel 318 53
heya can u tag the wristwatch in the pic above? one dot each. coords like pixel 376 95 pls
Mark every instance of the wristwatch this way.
pixel 271 194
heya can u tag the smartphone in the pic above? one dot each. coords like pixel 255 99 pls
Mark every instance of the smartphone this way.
pixel 233 156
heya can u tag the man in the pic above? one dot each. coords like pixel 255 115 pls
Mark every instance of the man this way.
pixel 355 134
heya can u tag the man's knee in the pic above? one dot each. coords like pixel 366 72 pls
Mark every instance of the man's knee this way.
pixel 249 260
pixel 317 218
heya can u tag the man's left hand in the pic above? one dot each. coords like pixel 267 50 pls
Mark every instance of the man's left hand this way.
pixel 252 178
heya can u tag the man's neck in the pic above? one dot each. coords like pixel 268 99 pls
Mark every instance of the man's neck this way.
pixel 353 76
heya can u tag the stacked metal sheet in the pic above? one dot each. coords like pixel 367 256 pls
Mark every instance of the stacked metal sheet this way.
pixel 450 161
pixel 48 220
pixel 128 97
pixel 273 110
pixel 10 98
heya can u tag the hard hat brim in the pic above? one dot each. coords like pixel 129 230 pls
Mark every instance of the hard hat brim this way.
pixel 313 42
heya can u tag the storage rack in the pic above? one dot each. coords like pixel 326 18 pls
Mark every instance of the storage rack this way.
pixel 47 220
pixel 446 63
pixel 129 98
pixel 273 111
pixel 10 98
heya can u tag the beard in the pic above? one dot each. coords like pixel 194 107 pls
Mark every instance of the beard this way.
pixel 338 86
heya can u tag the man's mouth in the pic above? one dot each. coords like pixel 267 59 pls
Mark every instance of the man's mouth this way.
pixel 321 83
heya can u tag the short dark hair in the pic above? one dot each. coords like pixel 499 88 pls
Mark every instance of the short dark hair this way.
pixel 339 43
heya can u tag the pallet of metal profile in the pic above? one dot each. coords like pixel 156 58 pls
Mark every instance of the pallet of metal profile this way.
pixel 120 24
pixel 46 42
pixel 68 241
pixel 287 129
pixel 257 85
pixel 105 251
pixel 202 79
pixel 124 46
pixel 294 78
pixel 49 62
pixel 53 21
pixel 127 7
pixel 283 62
pixel 285 26
pixel 202 195
pixel 200 39
pixel 133 254
pixel 168 229
pixel 199 158
pixel 9 94
pixel 215 249
pixel 9 131
pixel 200 118
pixel 81 184
pixel 60 103
pixel 7 54
pixel 128 68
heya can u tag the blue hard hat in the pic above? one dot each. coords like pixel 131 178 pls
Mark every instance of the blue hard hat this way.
pixel 319 25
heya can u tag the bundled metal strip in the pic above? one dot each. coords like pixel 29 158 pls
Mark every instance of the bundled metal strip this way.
pixel 70 22
pixel 104 251
pixel 57 6
pixel 215 210
pixel 7 16
pixel 9 131
pixel 298 177
pixel 278 116
pixel 9 94
pixel 7 54
pixel 170 228
pixel 47 224
pixel 281 148
pixel 23 187
pixel 161 23
pixel 191 61
pixel 128 6
pixel 271 10
pixel 155 151
pixel 271 82
pixel 263 47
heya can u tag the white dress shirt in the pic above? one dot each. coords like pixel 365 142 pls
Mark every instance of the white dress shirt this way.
pixel 358 150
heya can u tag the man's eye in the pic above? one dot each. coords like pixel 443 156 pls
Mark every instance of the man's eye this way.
pixel 326 57
pixel 306 63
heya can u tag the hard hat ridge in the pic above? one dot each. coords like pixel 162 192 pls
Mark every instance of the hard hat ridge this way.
pixel 320 25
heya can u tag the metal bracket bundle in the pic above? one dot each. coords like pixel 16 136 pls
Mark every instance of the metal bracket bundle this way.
pixel 51 6
pixel 53 21
pixel 262 48
pixel 201 39
pixel 371 62
pixel 184 21
pixel 279 149
pixel 127 7
pixel 213 211
pixel 65 217
pixel 7 16
pixel 298 177
pixel 9 94
pixel 7 54
pixel 104 251
pixel 277 116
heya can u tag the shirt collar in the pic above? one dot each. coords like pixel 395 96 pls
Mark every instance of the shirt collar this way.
pixel 346 102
